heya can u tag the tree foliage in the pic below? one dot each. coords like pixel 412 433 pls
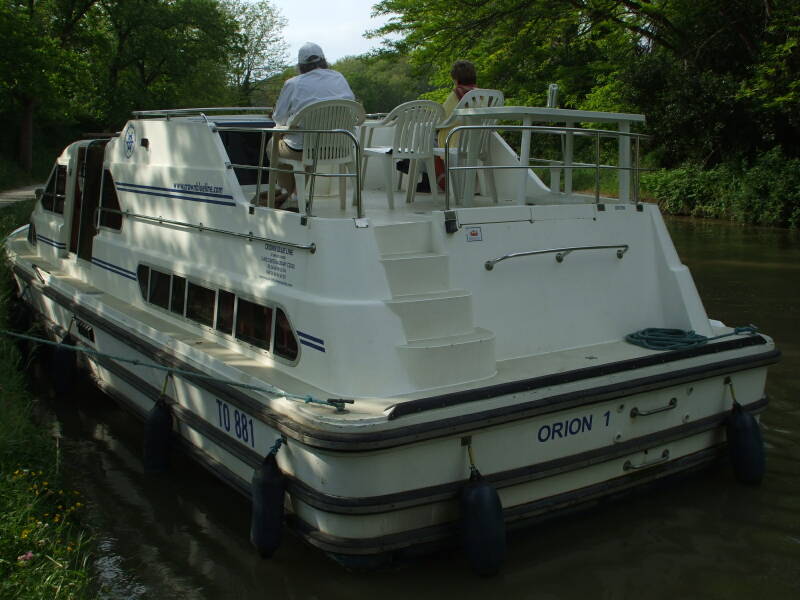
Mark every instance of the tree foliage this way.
pixel 88 63
pixel 718 79
pixel 382 82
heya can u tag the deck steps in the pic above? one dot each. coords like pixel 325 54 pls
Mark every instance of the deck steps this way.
pixel 450 359
pixel 404 237
pixel 416 272
pixel 443 346
pixel 434 314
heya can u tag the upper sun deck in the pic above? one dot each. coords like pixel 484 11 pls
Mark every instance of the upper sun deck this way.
pixel 526 156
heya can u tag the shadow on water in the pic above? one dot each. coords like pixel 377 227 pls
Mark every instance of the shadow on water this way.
pixel 185 535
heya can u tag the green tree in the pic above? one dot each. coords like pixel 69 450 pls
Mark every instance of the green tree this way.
pixel 382 82
pixel 259 49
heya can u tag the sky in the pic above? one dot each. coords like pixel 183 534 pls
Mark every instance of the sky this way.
pixel 336 25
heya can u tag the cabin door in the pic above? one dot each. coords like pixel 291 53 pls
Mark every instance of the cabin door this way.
pixel 87 198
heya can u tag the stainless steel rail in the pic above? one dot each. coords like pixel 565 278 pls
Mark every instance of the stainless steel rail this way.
pixel 261 168
pixel 186 112
pixel 560 253
pixel 629 466
pixel 597 134
pixel 312 247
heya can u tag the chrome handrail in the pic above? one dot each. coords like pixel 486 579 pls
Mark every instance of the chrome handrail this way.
pixel 265 130
pixel 182 112
pixel 312 247
pixel 597 134
pixel 561 253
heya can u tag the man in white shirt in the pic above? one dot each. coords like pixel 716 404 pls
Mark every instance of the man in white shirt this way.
pixel 316 82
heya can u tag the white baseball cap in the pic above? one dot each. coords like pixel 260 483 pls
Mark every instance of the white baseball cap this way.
pixel 309 53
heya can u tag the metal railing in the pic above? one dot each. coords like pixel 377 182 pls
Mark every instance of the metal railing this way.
pixel 263 131
pixel 561 253
pixel 200 112
pixel 312 247
pixel 598 134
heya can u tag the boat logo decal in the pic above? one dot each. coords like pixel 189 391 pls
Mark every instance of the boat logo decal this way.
pixel 49 242
pixel 311 341
pixel 474 234
pixel 114 268
pixel 196 192
pixel 130 140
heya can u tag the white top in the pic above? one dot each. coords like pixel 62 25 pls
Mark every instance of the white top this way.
pixel 297 92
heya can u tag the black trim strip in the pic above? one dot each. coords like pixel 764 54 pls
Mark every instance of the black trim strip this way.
pixel 516 516
pixel 525 385
pixel 448 491
pixel 367 441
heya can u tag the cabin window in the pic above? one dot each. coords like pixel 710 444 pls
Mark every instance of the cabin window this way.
pixel 225 311
pixel 159 288
pixel 56 190
pixel 110 201
pixel 285 342
pixel 243 148
pixel 143 275
pixel 178 300
pixel 263 326
pixel 254 323
pixel 200 304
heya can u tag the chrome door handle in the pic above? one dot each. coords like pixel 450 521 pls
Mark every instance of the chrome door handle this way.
pixel 629 466
pixel 636 412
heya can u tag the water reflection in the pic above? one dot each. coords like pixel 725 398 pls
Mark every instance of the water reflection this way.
pixel 186 535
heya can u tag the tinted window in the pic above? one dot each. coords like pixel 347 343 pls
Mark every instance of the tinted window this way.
pixel 254 323
pixel 243 148
pixel 143 275
pixel 285 342
pixel 225 311
pixel 55 191
pixel 178 294
pixel 159 288
pixel 109 200
pixel 200 304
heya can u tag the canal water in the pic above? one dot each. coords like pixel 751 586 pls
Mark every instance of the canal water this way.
pixel 185 535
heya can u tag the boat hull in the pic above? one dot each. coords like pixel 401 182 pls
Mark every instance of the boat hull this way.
pixel 550 443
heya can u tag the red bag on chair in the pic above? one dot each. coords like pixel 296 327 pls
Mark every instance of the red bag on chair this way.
pixel 440 177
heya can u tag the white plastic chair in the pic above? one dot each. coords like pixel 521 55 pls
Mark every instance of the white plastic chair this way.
pixel 467 148
pixel 414 124
pixel 325 149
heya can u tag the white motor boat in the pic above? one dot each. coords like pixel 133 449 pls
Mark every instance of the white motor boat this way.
pixel 388 377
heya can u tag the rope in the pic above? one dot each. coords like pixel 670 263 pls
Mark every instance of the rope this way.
pixel 276 446
pixel 655 338
pixel 337 403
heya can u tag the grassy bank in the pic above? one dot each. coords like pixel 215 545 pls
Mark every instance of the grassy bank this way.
pixel 44 549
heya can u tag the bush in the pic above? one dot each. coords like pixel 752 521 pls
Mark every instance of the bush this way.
pixel 767 193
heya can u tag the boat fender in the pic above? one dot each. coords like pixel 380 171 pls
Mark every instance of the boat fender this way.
pixel 63 368
pixel 157 437
pixel 268 488
pixel 483 527
pixel 745 446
